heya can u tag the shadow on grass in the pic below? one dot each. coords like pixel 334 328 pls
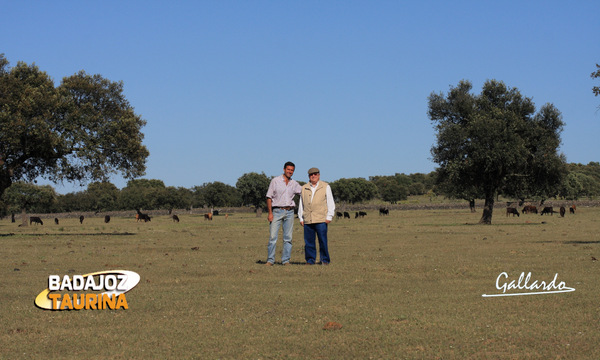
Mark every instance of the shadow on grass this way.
pixel 567 242
pixel 262 262
pixel 73 234
pixel 492 224
pixel 581 242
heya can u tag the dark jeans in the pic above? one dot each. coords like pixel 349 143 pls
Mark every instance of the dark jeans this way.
pixel 310 249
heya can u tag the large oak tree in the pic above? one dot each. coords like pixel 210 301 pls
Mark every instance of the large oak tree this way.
pixel 495 143
pixel 83 129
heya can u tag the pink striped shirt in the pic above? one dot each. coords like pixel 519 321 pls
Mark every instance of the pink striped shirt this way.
pixel 282 194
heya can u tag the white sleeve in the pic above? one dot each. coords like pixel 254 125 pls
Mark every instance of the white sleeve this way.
pixel 300 209
pixel 330 203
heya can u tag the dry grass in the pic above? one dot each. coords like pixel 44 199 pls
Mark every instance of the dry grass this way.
pixel 404 286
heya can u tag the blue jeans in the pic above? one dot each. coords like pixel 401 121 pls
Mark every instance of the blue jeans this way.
pixel 310 249
pixel 285 218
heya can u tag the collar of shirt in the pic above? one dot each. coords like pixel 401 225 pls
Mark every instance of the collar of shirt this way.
pixel 313 188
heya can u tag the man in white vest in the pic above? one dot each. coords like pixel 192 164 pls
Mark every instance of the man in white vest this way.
pixel 315 211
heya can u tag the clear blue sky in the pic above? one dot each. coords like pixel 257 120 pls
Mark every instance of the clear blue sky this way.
pixel 229 87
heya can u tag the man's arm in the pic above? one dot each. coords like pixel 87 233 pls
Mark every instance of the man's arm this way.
pixel 298 189
pixel 270 194
pixel 270 208
pixel 330 204
pixel 300 211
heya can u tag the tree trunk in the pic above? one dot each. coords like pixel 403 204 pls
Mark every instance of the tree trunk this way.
pixel 488 209
pixel 24 217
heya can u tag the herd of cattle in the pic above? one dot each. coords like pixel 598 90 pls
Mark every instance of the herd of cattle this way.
pixel 139 216
pixel 531 209
pixel 37 220
pixel 360 214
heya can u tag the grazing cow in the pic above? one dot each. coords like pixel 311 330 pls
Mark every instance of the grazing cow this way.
pixel 384 211
pixel 572 209
pixel 338 215
pixel 226 216
pixel 140 216
pixel 56 221
pixel 106 219
pixel 215 212
pixel 562 211
pixel 528 209
pixel 512 210
pixel 360 214
pixel 548 210
pixel 81 219
pixel 208 216
pixel 175 218
pixel 346 215
pixel 35 219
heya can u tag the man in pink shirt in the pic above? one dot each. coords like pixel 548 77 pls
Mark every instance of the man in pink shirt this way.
pixel 280 203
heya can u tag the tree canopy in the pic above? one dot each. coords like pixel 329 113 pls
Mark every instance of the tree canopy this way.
pixel 495 143
pixel 103 196
pixel 353 190
pixel 389 188
pixel 218 194
pixel 82 130
pixel 143 194
pixel 253 189
pixel 582 181
pixel 22 196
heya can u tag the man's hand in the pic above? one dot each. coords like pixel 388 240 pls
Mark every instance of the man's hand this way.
pixel 302 223
pixel 270 217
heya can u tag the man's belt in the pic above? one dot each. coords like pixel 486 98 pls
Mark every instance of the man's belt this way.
pixel 284 207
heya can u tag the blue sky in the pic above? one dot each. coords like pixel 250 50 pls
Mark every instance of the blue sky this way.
pixel 230 87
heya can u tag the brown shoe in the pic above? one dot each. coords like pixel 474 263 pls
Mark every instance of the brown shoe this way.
pixel 269 263
pixel 287 263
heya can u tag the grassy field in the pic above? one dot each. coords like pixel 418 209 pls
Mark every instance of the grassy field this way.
pixel 408 285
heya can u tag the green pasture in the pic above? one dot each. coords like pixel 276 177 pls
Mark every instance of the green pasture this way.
pixel 405 286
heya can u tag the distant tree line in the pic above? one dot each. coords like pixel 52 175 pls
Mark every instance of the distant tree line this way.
pixel 582 181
